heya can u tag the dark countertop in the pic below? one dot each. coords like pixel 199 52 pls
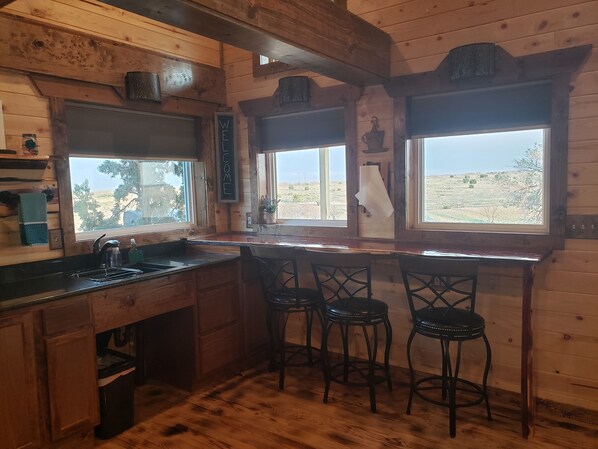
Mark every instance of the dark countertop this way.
pixel 374 247
pixel 39 289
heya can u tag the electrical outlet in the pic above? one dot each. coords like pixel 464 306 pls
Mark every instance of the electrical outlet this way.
pixel 55 238
pixel 248 220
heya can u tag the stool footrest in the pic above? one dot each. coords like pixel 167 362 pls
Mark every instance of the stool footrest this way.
pixel 359 367
pixel 463 386
pixel 292 352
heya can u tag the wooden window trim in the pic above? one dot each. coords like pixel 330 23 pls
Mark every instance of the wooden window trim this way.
pixel 59 90
pixel 321 98
pixel 556 66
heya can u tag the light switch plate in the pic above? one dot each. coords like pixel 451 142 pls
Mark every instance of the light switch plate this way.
pixel 55 238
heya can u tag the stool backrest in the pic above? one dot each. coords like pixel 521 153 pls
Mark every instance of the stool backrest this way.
pixel 278 270
pixel 433 282
pixel 342 275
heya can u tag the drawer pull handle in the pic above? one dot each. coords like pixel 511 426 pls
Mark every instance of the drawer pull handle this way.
pixel 130 300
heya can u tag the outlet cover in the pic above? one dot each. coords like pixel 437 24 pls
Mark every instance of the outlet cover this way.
pixel 55 238
pixel 248 220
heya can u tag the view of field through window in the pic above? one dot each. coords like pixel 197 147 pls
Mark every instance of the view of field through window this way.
pixel 299 175
pixel 494 178
pixel 115 193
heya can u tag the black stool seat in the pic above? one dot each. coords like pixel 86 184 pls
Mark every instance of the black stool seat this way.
pixel 357 310
pixel 284 297
pixel 302 297
pixel 345 282
pixel 449 322
pixel 441 293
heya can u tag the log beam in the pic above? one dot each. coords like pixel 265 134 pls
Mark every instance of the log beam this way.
pixel 35 48
pixel 311 34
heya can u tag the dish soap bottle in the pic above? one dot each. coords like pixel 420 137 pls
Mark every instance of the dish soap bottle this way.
pixel 135 255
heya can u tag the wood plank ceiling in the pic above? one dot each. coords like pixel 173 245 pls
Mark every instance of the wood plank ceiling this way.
pixel 316 35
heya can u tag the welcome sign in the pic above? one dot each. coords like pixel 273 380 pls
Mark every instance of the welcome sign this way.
pixel 228 187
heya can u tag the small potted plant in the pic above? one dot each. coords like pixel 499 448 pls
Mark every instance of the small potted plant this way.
pixel 268 207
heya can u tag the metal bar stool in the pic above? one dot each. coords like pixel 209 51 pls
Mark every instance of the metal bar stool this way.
pixel 280 284
pixel 441 294
pixel 345 282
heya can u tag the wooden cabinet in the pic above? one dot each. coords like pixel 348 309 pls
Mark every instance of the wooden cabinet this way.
pixel 119 306
pixel 71 367
pixel 218 317
pixel 19 409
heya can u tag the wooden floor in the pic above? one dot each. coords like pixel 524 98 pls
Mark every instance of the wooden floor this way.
pixel 249 411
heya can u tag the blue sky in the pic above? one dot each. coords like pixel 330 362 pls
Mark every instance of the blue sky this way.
pixel 478 153
pixel 303 165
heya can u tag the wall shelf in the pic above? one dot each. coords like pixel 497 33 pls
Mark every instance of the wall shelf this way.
pixel 22 169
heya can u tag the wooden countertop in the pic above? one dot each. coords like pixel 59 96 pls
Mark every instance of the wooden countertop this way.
pixel 375 247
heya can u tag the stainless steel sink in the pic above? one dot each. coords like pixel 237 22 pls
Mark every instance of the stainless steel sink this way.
pixel 107 274
pixel 113 274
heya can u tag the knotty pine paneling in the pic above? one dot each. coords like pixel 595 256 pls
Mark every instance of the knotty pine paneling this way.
pixel 566 290
pixel 99 19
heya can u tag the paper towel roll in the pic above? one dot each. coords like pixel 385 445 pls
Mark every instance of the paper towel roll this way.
pixel 372 193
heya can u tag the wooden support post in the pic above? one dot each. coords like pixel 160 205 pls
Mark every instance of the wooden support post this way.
pixel 527 395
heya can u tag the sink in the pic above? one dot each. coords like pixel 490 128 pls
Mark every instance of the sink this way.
pixel 149 267
pixel 107 274
pixel 114 274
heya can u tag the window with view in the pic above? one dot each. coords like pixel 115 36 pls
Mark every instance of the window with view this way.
pixel 485 182
pixel 130 169
pixel 311 184
pixel 122 193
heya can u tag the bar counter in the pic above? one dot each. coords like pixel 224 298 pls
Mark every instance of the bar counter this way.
pixel 527 259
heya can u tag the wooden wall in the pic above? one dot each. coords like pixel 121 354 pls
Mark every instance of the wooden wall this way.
pixel 565 315
pixel 25 111
pixel 566 294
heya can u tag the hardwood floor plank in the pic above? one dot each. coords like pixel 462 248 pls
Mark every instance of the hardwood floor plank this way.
pixel 248 411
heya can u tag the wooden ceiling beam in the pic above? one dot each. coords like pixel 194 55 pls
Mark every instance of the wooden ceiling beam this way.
pixel 310 34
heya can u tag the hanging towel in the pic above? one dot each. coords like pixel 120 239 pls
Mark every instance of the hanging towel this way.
pixel 33 218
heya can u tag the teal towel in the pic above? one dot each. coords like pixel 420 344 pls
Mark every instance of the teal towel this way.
pixel 33 218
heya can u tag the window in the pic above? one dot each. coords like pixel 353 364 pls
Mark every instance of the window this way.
pixel 263 65
pixel 122 193
pixel 480 159
pixel 131 171
pixel 311 184
pixel 482 182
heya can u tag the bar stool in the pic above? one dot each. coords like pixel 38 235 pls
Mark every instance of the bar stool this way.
pixel 280 284
pixel 441 293
pixel 345 282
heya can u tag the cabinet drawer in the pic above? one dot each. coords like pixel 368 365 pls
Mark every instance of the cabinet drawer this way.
pixel 218 306
pixel 66 315
pixel 119 306
pixel 219 348
pixel 217 275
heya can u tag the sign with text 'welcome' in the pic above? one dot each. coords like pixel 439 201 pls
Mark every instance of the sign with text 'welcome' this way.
pixel 228 186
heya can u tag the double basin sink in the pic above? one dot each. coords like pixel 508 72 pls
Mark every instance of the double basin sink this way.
pixel 113 274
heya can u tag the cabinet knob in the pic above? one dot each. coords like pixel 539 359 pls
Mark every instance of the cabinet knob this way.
pixel 130 300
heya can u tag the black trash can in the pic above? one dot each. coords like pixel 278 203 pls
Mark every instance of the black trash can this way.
pixel 116 381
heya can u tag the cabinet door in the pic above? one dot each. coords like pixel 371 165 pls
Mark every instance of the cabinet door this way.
pixel 72 382
pixel 219 326
pixel 19 411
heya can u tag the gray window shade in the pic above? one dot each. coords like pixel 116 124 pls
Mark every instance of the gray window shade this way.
pixel 101 131
pixel 303 130
pixel 504 107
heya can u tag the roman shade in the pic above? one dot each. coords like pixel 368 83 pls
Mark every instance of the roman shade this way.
pixel 300 130
pixel 505 107
pixel 121 133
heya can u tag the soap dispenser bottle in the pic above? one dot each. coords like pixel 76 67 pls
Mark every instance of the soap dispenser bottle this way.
pixel 135 254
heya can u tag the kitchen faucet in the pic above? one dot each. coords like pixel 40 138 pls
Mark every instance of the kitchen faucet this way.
pixel 99 252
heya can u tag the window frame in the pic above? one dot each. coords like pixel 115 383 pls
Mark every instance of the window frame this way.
pixel 556 67
pixel 203 169
pixel 416 194
pixel 193 199
pixel 344 96
pixel 272 189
